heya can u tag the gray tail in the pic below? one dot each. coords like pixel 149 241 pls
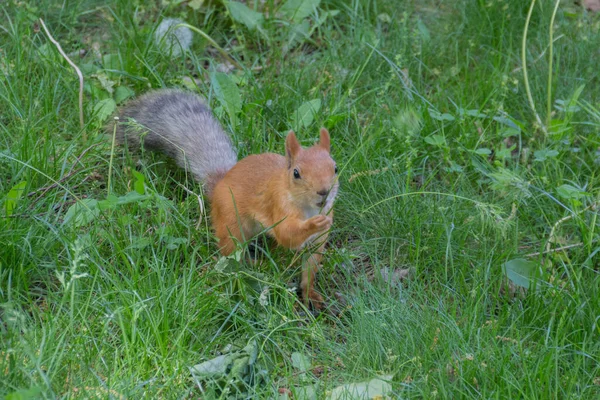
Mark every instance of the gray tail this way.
pixel 182 126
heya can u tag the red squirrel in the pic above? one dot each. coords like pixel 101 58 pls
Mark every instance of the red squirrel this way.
pixel 292 195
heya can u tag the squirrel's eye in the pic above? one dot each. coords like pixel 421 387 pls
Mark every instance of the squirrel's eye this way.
pixel 336 169
pixel 296 174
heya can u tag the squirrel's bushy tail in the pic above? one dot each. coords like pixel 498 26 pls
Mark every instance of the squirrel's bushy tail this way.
pixel 182 126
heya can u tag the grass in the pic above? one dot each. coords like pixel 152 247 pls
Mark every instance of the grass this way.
pixel 444 170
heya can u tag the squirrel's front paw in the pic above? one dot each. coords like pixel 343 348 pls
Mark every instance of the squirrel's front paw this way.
pixel 320 223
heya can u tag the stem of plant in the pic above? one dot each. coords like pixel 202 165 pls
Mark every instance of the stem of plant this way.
pixel 524 63
pixel 112 156
pixel 550 60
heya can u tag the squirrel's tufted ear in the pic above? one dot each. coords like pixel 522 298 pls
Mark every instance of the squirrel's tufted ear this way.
pixel 292 147
pixel 325 141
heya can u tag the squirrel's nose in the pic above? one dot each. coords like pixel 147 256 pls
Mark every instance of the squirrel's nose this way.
pixel 323 192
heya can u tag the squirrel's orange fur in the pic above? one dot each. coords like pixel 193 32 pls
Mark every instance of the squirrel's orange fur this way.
pixel 292 194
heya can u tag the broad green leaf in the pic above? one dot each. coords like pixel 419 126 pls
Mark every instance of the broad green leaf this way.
pixel 89 69
pixel 300 361
pixel 471 113
pixel 508 132
pixel 436 140
pixel 112 201
pixel 111 61
pixel 172 242
pixel 13 196
pixel 571 192
pixel 520 271
pixel 195 4
pixel 132 197
pixel 333 120
pixel 570 106
pixel 308 392
pixel 577 94
pixel 228 95
pixel 106 83
pixel 82 212
pixel 222 265
pixel 244 15
pixel 505 152
pixel 454 167
pixel 252 350
pixel 215 368
pixel 236 364
pixel 543 155
pixel 139 242
pixel 104 108
pixel 475 113
pixel 25 394
pixel 559 127
pixel 425 35
pixel 439 116
pixel 239 367
pixel 298 34
pixel 138 185
pixel 122 93
pixel 374 389
pixel 507 121
pixel 305 114
pixel 240 80
pixel 297 10
pixel 95 91
pixel 85 211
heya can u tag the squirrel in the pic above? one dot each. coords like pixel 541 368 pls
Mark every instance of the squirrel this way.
pixel 292 196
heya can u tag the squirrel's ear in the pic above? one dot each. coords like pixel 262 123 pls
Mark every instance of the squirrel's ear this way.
pixel 292 146
pixel 325 141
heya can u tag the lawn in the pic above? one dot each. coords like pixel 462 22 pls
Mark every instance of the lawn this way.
pixel 464 260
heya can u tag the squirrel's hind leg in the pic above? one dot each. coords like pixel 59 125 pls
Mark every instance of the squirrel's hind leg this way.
pixel 226 229
pixel 226 243
pixel 309 273
pixel 234 231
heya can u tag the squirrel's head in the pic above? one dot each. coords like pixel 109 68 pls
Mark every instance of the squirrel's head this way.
pixel 312 173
